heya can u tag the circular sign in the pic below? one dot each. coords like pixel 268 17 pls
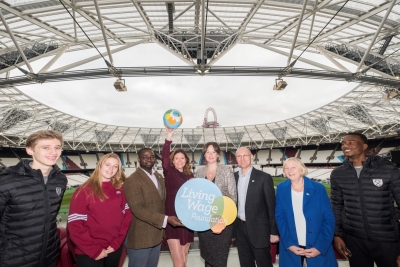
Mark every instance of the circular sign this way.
pixel 200 206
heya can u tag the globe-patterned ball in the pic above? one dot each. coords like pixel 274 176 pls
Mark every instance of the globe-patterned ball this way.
pixel 172 118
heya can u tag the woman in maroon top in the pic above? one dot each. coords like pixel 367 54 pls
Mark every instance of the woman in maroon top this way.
pixel 176 172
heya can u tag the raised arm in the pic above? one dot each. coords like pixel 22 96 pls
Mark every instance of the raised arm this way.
pixel 167 149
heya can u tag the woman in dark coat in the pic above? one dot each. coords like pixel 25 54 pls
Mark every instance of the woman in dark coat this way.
pixel 176 172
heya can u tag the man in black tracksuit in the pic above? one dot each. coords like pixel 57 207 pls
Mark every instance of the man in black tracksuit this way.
pixel 363 192
pixel 30 198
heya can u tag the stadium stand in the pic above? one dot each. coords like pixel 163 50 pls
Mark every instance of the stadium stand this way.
pixel 385 150
pixel 75 180
pixel 77 164
pixel 291 152
pixel 270 170
pixel 319 173
pixel 337 157
pixel 322 156
pixel 262 156
pixel 90 160
pixel 9 161
pixel 306 155
pixel 276 156
pixel 129 171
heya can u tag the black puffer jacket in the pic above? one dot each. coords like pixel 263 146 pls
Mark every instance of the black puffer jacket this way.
pixel 28 210
pixel 364 207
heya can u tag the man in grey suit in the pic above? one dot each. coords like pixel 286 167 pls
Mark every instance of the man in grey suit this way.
pixel 255 226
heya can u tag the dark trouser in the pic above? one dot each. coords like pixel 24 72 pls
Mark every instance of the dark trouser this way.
pixel 111 260
pixel 365 253
pixel 303 258
pixel 249 255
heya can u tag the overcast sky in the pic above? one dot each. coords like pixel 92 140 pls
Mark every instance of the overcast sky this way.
pixel 236 100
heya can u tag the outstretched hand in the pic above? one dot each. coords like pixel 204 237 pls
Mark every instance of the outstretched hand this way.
pixel 170 132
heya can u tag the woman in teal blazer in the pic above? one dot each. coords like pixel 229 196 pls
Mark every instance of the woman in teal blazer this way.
pixel 305 219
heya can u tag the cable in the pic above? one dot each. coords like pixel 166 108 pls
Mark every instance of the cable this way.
pixel 83 31
pixel 318 33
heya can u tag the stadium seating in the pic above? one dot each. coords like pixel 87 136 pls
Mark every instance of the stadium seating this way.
pixel 75 180
pixel 9 161
pixel 65 258
pixel 322 156
pixel 90 160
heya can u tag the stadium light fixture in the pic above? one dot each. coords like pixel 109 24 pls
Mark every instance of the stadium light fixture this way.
pixel 120 86
pixel 280 85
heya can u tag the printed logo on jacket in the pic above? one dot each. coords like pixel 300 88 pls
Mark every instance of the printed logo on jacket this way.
pixel 200 206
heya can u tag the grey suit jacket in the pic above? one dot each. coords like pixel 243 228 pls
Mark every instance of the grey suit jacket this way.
pixel 224 179
pixel 260 208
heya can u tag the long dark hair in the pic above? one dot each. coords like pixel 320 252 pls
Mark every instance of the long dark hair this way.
pixel 187 168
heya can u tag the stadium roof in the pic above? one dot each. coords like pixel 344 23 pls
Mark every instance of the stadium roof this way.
pixel 362 32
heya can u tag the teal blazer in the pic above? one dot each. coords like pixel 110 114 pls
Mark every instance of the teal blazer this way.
pixel 320 224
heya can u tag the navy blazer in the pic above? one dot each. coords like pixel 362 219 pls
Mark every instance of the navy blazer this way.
pixel 259 209
pixel 320 224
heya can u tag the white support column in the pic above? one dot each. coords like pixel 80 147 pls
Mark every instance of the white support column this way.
pixel 203 33
pixel 15 42
pixel 331 59
pixel 54 59
pixel 312 63
pixel 103 31
pixel 90 59
pixel 376 35
pixel 297 32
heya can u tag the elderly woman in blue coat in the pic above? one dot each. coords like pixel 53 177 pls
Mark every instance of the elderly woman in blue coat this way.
pixel 305 219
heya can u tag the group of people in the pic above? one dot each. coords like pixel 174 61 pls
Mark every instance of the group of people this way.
pixel 110 210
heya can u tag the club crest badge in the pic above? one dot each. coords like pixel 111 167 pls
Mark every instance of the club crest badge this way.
pixel 58 191
pixel 377 182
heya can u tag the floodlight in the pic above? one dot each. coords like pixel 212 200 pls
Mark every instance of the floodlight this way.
pixel 120 86
pixel 280 85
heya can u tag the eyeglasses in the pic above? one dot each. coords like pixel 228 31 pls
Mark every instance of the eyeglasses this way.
pixel 146 157
pixel 242 156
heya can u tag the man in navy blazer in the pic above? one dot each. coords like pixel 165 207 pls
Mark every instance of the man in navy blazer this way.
pixel 255 226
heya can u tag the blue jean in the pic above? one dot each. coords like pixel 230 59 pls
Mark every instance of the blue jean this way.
pixel 146 257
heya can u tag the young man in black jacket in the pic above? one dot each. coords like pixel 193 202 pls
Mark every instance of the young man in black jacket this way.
pixel 30 198
pixel 363 192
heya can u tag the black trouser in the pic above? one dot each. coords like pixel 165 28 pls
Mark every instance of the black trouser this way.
pixel 249 255
pixel 364 253
pixel 111 260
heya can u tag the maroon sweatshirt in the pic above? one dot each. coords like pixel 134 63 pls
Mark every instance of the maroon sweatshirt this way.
pixel 94 225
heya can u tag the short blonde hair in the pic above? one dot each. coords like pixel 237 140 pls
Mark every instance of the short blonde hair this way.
pixel 300 164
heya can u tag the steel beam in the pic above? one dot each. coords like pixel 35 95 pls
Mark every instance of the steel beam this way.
pixel 103 31
pixel 90 59
pixel 297 32
pixel 376 35
pixel 54 59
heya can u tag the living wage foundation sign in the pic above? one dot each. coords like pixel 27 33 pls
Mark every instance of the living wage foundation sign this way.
pixel 200 205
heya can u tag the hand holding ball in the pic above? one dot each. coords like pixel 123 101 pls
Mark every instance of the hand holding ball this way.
pixel 172 118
